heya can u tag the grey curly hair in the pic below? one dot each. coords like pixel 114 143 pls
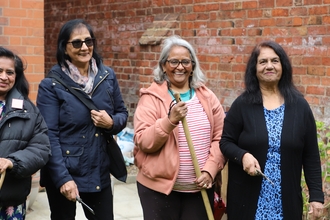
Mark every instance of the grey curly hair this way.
pixel 196 80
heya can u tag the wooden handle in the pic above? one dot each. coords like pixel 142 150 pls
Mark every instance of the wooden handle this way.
pixel 2 178
pixel 195 162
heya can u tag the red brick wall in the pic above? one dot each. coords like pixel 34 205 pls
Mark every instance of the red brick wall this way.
pixel 223 33
pixel 22 30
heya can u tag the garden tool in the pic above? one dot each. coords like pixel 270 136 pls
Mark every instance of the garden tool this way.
pixel 2 178
pixel 264 176
pixel 195 162
pixel 84 204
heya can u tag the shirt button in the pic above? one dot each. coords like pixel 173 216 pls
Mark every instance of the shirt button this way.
pixel 67 152
pixel 96 135
pixel 98 188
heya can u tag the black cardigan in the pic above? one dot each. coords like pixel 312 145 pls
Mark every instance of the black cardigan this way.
pixel 245 131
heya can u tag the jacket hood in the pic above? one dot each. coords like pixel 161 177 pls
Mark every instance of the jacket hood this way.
pixel 155 89
pixel 102 73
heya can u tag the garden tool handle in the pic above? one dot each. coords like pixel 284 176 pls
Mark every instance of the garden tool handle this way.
pixel 2 178
pixel 195 162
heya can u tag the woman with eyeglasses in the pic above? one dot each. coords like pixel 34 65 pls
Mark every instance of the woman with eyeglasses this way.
pixel 79 165
pixel 167 184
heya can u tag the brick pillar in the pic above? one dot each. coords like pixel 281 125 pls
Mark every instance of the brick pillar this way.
pixel 22 31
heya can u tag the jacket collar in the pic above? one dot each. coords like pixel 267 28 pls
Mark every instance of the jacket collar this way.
pixel 102 73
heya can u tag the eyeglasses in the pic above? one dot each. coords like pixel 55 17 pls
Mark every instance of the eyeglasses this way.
pixel 175 63
pixel 78 43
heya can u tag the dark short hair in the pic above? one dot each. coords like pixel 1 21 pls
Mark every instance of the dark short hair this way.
pixel 21 84
pixel 252 92
pixel 64 37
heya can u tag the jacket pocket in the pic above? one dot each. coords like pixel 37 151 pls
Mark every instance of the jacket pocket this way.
pixel 156 165
pixel 73 159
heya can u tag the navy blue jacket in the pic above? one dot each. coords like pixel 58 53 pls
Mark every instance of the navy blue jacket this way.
pixel 78 147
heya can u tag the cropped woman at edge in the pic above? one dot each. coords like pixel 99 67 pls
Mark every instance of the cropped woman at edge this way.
pixel 24 144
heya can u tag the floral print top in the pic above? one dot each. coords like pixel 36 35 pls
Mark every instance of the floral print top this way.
pixel 13 212
pixel 270 198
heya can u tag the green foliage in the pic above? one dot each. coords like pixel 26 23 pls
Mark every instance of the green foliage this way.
pixel 323 135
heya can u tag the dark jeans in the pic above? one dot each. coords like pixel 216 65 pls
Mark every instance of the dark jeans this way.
pixel 63 209
pixel 175 206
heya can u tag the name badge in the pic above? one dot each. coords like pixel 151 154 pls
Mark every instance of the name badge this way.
pixel 17 103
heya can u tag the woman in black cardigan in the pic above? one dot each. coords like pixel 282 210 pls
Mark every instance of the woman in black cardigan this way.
pixel 270 128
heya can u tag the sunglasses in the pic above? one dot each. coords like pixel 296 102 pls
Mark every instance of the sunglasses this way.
pixel 78 43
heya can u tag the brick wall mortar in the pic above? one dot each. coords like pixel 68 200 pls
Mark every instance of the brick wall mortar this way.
pixel 21 30
pixel 223 33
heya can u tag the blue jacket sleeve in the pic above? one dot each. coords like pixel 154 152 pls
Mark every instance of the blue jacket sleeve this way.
pixel 48 104
pixel 120 113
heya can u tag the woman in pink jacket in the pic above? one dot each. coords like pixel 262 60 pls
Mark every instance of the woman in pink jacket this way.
pixel 167 184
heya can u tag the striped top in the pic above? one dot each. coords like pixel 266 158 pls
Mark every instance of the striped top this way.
pixel 199 127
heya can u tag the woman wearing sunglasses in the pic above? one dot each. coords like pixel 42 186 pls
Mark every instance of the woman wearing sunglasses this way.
pixel 79 165
pixel 167 184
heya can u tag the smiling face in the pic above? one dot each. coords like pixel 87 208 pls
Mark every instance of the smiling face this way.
pixel 80 57
pixel 179 75
pixel 269 67
pixel 7 76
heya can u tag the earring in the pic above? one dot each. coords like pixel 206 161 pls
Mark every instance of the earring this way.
pixel 191 73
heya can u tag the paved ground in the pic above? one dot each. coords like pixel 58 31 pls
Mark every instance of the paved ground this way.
pixel 126 204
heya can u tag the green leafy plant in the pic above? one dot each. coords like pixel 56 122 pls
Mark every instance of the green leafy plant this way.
pixel 323 135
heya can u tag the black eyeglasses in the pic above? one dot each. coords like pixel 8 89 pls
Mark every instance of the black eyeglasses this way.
pixel 78 43
pixel 175 63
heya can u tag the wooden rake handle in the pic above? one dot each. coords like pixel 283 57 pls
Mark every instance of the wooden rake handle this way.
pixel 2 178
pixel 195 162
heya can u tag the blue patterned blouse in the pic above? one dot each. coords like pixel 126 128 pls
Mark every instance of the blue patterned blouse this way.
pixel 270 198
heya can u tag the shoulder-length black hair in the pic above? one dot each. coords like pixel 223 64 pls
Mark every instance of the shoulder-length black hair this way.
pixel 21 84
pixel 64 37
pixel 252 93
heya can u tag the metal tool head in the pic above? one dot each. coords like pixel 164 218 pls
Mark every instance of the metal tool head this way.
pixel 85 205
pixel 264 176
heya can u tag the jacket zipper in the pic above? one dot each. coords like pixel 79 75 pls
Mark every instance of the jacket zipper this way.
pixel 105 76
pixel 90 96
